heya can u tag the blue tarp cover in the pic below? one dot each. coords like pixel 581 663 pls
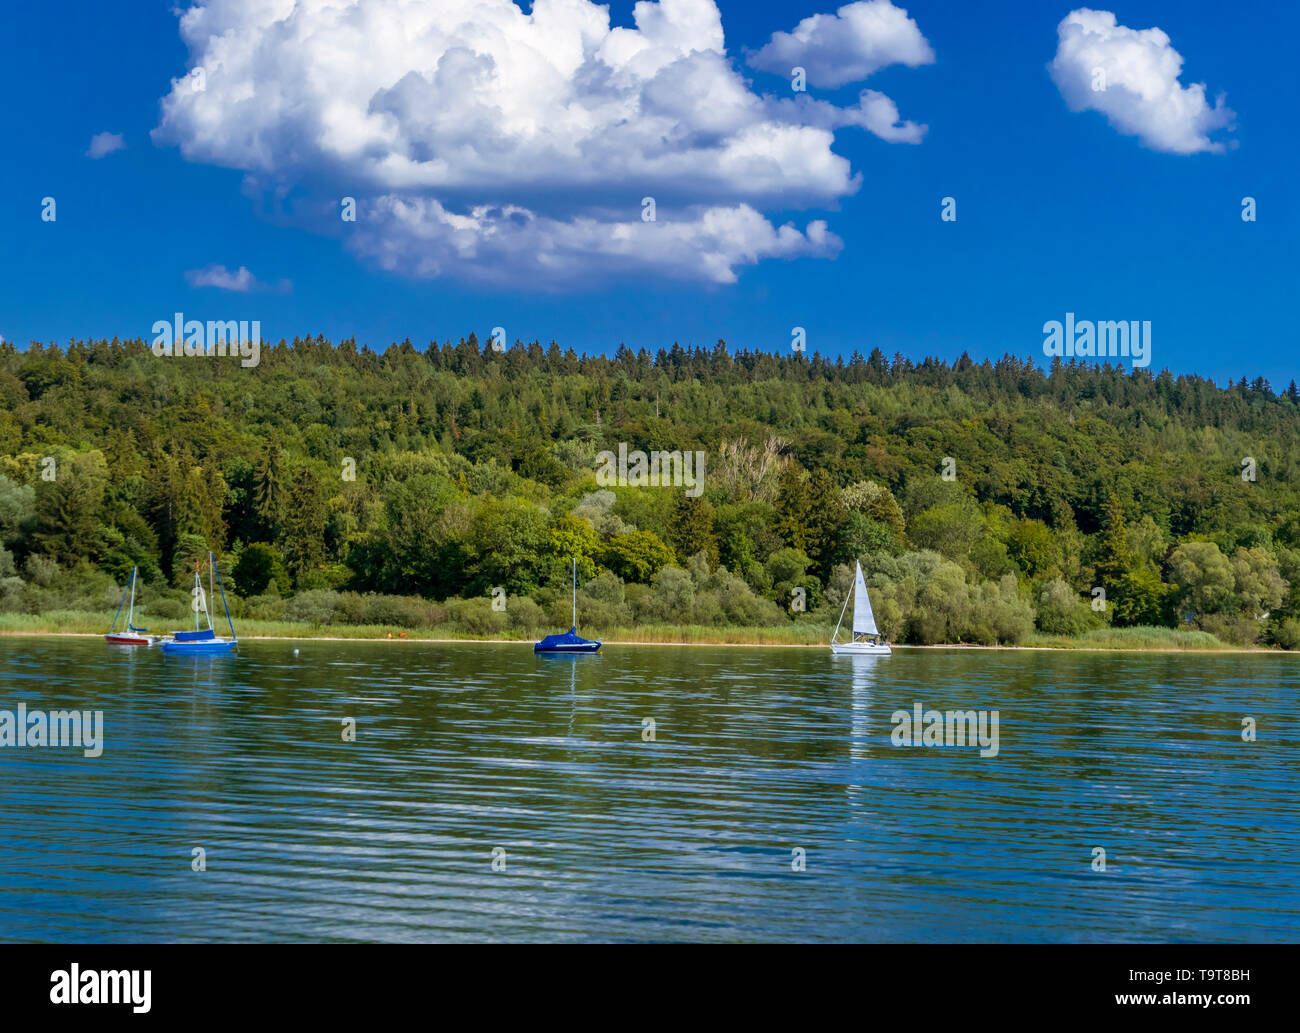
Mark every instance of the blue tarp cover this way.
pixel 195 636
pixel 569 639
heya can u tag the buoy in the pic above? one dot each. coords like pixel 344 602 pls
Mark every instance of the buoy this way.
pixel 295 652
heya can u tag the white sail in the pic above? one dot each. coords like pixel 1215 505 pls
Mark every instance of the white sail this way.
pixel 864 621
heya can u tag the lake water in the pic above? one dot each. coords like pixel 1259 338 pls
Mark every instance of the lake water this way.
pixel 758 754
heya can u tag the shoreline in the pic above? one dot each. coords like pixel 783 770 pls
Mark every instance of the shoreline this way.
pixel 408 640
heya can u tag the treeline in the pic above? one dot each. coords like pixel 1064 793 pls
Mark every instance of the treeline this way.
pixel 340 484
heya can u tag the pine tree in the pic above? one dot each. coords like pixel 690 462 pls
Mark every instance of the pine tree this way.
pixel 269 487
pixel 825 514
pixel 793 505
pixel 1115 559
pixel 690 529
pixel 304 524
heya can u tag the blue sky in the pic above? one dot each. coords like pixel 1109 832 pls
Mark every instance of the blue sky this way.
pixel 1056 210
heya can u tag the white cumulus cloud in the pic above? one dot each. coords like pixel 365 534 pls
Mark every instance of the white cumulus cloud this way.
pixel 847 46
pixel 497 244
pixel 469 132
pixel 105 143
pixel 1131 76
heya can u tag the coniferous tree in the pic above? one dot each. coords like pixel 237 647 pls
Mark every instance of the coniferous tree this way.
pixel 270 489
pixel 793 504
pixel 691 529
pixel 67 510
pixel 825 514
pixel 304 525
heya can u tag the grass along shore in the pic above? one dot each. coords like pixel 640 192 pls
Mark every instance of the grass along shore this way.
pixel 1142 639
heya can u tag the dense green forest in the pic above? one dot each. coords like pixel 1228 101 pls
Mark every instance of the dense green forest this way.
pixel 340 485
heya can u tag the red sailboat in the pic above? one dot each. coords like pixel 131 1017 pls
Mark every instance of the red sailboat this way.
pixel 131 635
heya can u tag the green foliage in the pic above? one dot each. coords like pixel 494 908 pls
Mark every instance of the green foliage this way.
pixel 1257 581
pixel 41 569
pixel 825 515
pixel 636 556
pixel 691 529
pixel 17 510
pixel 476 469
pixel 269 488
pixel 509 540
pixel 67 506
pixel 1061 611
pixel 1031 547
pixel 794 509
pixel 1138 597
pixel 573 538
pixel 951 528
pixel 1287 633
pixel 861 535
pixel 876 503
pixel 260 567
pixel 304 524
pixel 1203 578
pixel 314 607
pixel 786 566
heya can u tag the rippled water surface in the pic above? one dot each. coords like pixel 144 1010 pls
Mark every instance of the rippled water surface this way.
pixel 463 749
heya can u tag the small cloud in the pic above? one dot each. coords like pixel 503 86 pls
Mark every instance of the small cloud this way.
pixel 241 280
pixel 102 144
pixel 875 113
pixel 847 46
pixel 1131 77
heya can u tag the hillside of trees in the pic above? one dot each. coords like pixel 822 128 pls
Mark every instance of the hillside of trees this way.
pixel 337 484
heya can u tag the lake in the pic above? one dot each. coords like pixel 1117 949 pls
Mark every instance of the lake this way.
pixel 494 795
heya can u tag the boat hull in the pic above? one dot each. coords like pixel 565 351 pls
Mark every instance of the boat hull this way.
pixel 579 647
pixel 210 647
pixel 130 640
pixel 860 649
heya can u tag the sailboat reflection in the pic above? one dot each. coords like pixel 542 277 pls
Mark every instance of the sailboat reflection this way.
pixel 865 672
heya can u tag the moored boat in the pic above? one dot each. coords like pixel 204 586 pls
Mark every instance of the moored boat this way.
pixel 866 639
pixel 203 641
pixel 570 641
pixel 131 635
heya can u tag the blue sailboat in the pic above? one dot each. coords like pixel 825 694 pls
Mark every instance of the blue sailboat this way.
pixel 203 641
pixel 570 641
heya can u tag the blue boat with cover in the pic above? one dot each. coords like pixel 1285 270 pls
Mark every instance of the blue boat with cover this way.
pixel 570 641
pixel 203 641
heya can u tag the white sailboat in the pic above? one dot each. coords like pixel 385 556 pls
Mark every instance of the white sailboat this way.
pixel 866 639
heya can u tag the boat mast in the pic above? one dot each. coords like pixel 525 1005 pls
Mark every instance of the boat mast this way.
pixel 131 612
pixel 233 636
pixel 575 593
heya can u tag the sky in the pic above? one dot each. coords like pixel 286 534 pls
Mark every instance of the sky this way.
pixel 501 158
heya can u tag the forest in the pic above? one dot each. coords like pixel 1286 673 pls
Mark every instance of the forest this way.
pixel 448 487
